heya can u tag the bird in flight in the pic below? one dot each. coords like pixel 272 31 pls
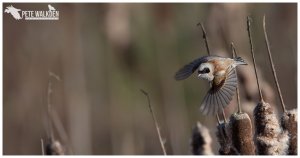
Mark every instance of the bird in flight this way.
pixel 220 73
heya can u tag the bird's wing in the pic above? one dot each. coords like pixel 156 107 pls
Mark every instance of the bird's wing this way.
pixel 220 93
pixel 189 69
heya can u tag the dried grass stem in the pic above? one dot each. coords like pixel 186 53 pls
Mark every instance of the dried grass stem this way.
pixel 155 122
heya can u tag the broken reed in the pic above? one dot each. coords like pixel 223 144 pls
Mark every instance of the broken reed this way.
pixel 269 138
pixel 289 118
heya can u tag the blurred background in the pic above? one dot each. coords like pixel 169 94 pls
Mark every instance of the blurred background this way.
pixel 105 53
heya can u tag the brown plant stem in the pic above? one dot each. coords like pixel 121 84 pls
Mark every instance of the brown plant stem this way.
pixel 253 58
pixel 155 123
pixel 234 54
pixel 272 64
pixel 204 36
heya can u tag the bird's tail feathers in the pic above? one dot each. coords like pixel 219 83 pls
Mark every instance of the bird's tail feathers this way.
pixel 240 61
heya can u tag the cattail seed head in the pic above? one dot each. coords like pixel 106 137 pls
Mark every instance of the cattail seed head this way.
pixel 289 124
pixel 269 137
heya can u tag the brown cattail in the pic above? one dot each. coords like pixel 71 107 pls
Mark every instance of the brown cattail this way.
pixel 242 136
pixel 224 138
pixel 201 140
pixel 289 123
pixel 269 137
pixel 54 147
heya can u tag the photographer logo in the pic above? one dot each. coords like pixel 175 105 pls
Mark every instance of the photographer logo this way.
pixel 18 14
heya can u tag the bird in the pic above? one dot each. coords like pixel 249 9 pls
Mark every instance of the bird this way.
pixel 220 73
pixel 14 12
pixel 51 8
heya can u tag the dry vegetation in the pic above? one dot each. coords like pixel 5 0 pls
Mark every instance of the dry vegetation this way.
pixel 104 53
pixel 271 137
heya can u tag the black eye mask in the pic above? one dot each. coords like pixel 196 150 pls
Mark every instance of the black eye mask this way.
pixel 204 71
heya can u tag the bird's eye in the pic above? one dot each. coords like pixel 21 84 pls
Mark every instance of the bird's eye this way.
pixel 206 70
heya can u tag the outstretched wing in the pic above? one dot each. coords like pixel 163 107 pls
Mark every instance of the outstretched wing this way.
pixel 220 94
pixel 189 69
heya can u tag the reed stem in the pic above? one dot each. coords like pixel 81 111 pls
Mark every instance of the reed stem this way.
pixel 204 36
pixel 272 64
pixel 234 54
pixel 155 122
pixel 253 58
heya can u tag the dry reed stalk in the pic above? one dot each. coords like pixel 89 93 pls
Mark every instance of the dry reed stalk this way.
pixel 272 64
pixel 289 118
pixel 201 140
pixel 269 138
pixel 241 126
pixel 289 121
pixel 204 36
pixel 224 139
pixel 155 123
pixel 53 147
pixel 253 58
pixel 234 54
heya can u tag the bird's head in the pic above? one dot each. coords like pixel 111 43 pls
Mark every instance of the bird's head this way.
pixel 205 71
